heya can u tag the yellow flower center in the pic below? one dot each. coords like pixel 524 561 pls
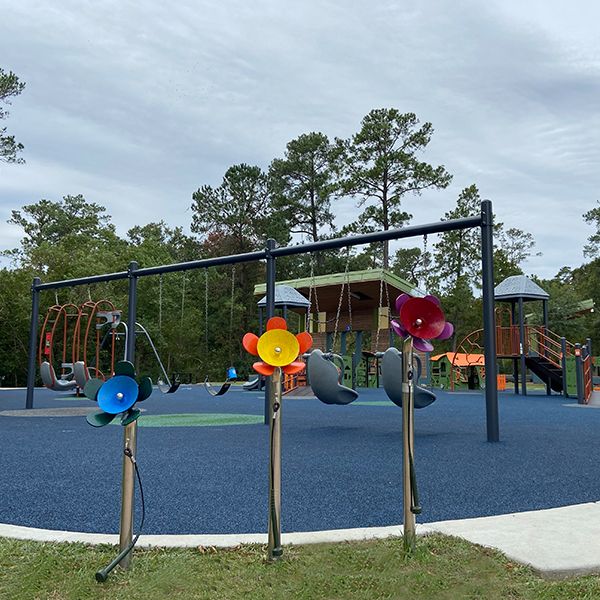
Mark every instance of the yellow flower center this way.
pixel 278 347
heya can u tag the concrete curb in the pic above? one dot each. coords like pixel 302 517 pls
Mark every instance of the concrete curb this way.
pixel 217 540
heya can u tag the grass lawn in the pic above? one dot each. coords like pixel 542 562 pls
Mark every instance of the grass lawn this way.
pixel 441 567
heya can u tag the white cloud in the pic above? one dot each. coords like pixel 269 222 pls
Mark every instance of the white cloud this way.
pixel 137 106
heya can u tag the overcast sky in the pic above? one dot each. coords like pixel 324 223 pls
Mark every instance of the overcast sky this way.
pixel 135 105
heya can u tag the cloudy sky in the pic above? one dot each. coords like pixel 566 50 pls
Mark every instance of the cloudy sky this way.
pixel 135 105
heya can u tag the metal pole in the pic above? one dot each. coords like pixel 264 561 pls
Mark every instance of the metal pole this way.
pixel 579 374
pixel 407 443
pixel 563 362
pixel 489 325
pixel 270 313
pixel 275 549
pixel 129 433
pixel 522 347
pixel 33 335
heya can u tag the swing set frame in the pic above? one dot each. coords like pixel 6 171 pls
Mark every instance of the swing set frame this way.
pixel 484 221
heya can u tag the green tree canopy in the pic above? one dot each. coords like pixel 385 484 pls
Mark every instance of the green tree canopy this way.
pixel 303 183
pixel 10 86
pixel 592 217
pixel 380 165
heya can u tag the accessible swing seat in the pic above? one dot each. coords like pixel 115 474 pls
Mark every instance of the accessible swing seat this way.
pixel 324 378
pixel 391 371
pixel 65 383
pixel 231 377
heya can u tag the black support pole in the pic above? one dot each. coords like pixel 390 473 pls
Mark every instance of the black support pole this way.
pixel 270 313
pixel 33 335
pixel 489 325
pixel 131 311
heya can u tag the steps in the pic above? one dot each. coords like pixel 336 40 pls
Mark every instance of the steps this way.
pixel 547 371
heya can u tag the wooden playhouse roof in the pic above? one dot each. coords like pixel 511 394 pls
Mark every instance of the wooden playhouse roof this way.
pixel 364 288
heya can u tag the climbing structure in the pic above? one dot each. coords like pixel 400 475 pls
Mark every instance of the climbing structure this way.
pixel 564 367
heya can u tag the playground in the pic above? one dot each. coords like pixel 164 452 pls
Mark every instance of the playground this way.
pixel 341 465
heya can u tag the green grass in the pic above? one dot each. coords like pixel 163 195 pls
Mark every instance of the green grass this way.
pixel 441 567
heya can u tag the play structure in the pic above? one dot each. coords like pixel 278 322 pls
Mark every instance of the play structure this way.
pixel 564 367
pixel 420 319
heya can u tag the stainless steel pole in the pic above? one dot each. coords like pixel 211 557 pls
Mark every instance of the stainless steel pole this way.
pixel 129 434
pixel 407 443
pixel 275 549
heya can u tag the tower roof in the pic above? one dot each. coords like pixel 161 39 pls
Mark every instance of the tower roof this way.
pixel 286 295
pixel 519 286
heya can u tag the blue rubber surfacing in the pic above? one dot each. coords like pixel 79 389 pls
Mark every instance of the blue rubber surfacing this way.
pixel 341 465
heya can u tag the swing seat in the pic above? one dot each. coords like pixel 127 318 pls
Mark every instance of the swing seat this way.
pixel 217 392
pixel 391 371
pixel 253 384
pixel 168 388
pixel 324 378
pixel 50 380
pixel 81 373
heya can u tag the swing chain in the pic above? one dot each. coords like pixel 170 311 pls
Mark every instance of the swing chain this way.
pixel 231 312
pixel 160 299
pixel 312 291
pixel 339 308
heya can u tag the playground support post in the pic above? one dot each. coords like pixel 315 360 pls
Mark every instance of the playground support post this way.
pixel 489 325
pixel 579 374
pixel 33 335
pixel 563 361
pixel 129 433
pixel 271 274
pixel 522 347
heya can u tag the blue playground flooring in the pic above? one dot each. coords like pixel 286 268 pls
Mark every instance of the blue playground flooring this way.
pixel 341 464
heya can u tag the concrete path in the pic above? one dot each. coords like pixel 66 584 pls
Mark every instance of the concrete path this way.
pixel 557 543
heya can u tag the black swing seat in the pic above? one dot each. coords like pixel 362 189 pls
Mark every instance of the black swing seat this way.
pixel 324 379
pixel 391 371
pixel 166 387
pixel 217 392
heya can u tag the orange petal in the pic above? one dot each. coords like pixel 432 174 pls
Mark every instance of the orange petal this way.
pixel 263 368
pixel 250 341
pixel 294 367
pixel 276 323
pixel 305 340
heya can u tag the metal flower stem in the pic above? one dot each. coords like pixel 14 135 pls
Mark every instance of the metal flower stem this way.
pixel 275 549
pixel 407 442
pixel 127 492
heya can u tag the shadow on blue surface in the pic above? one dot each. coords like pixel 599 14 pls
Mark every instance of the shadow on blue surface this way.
pixel 341 464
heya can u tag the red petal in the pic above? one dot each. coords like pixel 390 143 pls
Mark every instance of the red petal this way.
pixel 305 340
pixel 294 367
pixel 263 368
pixel 250 341
pixel 276 323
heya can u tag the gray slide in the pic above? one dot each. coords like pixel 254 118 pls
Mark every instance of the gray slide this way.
pixel 324 379
pixel 391 371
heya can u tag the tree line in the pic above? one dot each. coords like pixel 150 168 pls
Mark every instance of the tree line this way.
pixel 198 318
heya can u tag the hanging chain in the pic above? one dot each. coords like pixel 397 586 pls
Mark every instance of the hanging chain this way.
pixel 205 312
pixel 183 298
pixel 56 298
pixel 231 312
pixel 160 299
pixel 312 290
pixel 376 349
pixel 339 308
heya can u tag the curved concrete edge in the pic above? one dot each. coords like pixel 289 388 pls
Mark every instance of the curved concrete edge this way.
pixel 216 540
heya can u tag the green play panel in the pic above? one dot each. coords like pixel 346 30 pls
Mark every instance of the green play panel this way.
pixel 197 420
